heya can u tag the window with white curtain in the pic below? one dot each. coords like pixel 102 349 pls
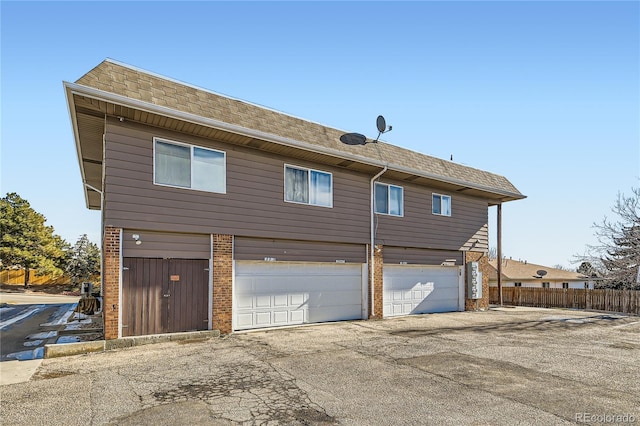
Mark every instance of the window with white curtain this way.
pixel 188 166
pixel 441 205
pixel 389 199
pixel 308 186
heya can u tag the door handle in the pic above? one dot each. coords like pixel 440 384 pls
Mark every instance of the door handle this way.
pixel 166 295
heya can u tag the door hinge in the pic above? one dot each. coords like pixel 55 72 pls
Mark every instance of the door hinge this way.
pixel 124 268
pixel 206 269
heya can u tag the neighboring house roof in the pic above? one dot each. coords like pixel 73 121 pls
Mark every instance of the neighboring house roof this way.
pixel 514 270
pixel 116 89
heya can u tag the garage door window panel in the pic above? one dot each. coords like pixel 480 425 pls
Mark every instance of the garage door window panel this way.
pixel 187 166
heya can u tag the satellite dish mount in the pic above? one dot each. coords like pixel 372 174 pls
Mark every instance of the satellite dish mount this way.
pixel 381 123
pixel 359 139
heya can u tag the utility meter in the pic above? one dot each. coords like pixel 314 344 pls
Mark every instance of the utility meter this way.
pixel 474 281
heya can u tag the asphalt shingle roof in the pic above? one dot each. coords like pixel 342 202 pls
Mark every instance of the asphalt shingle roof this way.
pixel 123 80
pixel 515 270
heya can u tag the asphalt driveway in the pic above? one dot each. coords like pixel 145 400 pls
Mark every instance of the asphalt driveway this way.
pixel 506 366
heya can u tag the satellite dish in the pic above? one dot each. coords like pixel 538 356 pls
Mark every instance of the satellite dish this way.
pixel 381 123
pixel 541 272
pixel 353 139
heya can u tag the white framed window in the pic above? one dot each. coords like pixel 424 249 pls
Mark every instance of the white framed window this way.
pixel 441 204
pixel 546 285
pixel 308 186
pixel 517 284
pixel 187 166
pixel 389 199
pixel 565 285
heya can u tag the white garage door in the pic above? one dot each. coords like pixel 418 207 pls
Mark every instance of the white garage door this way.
pixel 270 294
pixel 420 289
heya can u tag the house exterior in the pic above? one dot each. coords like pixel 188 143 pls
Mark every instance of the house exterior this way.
pixel 517 273
pixel 221 214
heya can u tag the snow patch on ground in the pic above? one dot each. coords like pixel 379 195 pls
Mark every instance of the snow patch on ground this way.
pixel 33 310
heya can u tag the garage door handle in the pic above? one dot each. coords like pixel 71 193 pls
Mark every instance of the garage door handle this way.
pixel 166 295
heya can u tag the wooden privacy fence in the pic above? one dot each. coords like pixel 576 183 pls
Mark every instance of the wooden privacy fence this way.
pixel 16 276
pixel 625 301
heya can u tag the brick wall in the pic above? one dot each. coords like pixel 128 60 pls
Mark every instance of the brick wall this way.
pixel 222 283
pixel 111 281
pixel 378 263
pixel 483 260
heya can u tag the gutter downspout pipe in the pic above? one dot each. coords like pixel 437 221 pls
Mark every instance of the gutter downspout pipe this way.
pixel 372 246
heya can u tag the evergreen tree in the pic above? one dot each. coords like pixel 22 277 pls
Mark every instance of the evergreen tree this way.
pixel 25 240
pixel 83 260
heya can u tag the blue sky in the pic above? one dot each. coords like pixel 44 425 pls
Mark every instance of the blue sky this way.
pixel 544 93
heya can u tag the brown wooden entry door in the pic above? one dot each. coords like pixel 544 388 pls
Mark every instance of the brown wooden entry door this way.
pixel 164 295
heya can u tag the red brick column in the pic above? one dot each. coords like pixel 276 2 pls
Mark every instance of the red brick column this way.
pixel 222 283
pixel 111 281
pixel 483 261
pixel 378 261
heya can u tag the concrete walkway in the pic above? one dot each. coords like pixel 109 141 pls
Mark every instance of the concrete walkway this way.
pixel 12 372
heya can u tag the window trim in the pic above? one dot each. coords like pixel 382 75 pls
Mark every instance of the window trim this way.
pixel 308 169
pixel 191 163
pixel 441 197
pixel 388 185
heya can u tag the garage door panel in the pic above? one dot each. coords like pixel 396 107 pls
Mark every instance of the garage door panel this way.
pixel 409 289
pixel 270 294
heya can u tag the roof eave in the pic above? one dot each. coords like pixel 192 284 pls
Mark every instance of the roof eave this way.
pixel 76 135
pixel 82 90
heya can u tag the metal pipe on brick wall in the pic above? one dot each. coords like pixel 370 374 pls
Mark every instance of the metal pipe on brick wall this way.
pixel 373 242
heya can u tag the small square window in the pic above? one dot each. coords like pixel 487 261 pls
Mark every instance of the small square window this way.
pixel 545 285
pixel 389 199
pixel 565 285
pixel 517 284
pixel 441 205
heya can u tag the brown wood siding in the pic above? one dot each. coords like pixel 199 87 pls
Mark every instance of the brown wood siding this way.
pixel 421 228
pixel 253 205
pixel 417 256
pixel 166 245
pixel 298 251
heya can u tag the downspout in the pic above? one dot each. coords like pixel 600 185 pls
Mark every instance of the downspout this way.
pixel 372 246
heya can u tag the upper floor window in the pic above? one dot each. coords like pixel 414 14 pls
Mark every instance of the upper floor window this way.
pixel 188 166
pixel 441 205
pixel 307 186
pixel 389 199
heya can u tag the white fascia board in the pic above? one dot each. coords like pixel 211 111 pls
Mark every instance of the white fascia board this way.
pixel 76 136
pixel 102 95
